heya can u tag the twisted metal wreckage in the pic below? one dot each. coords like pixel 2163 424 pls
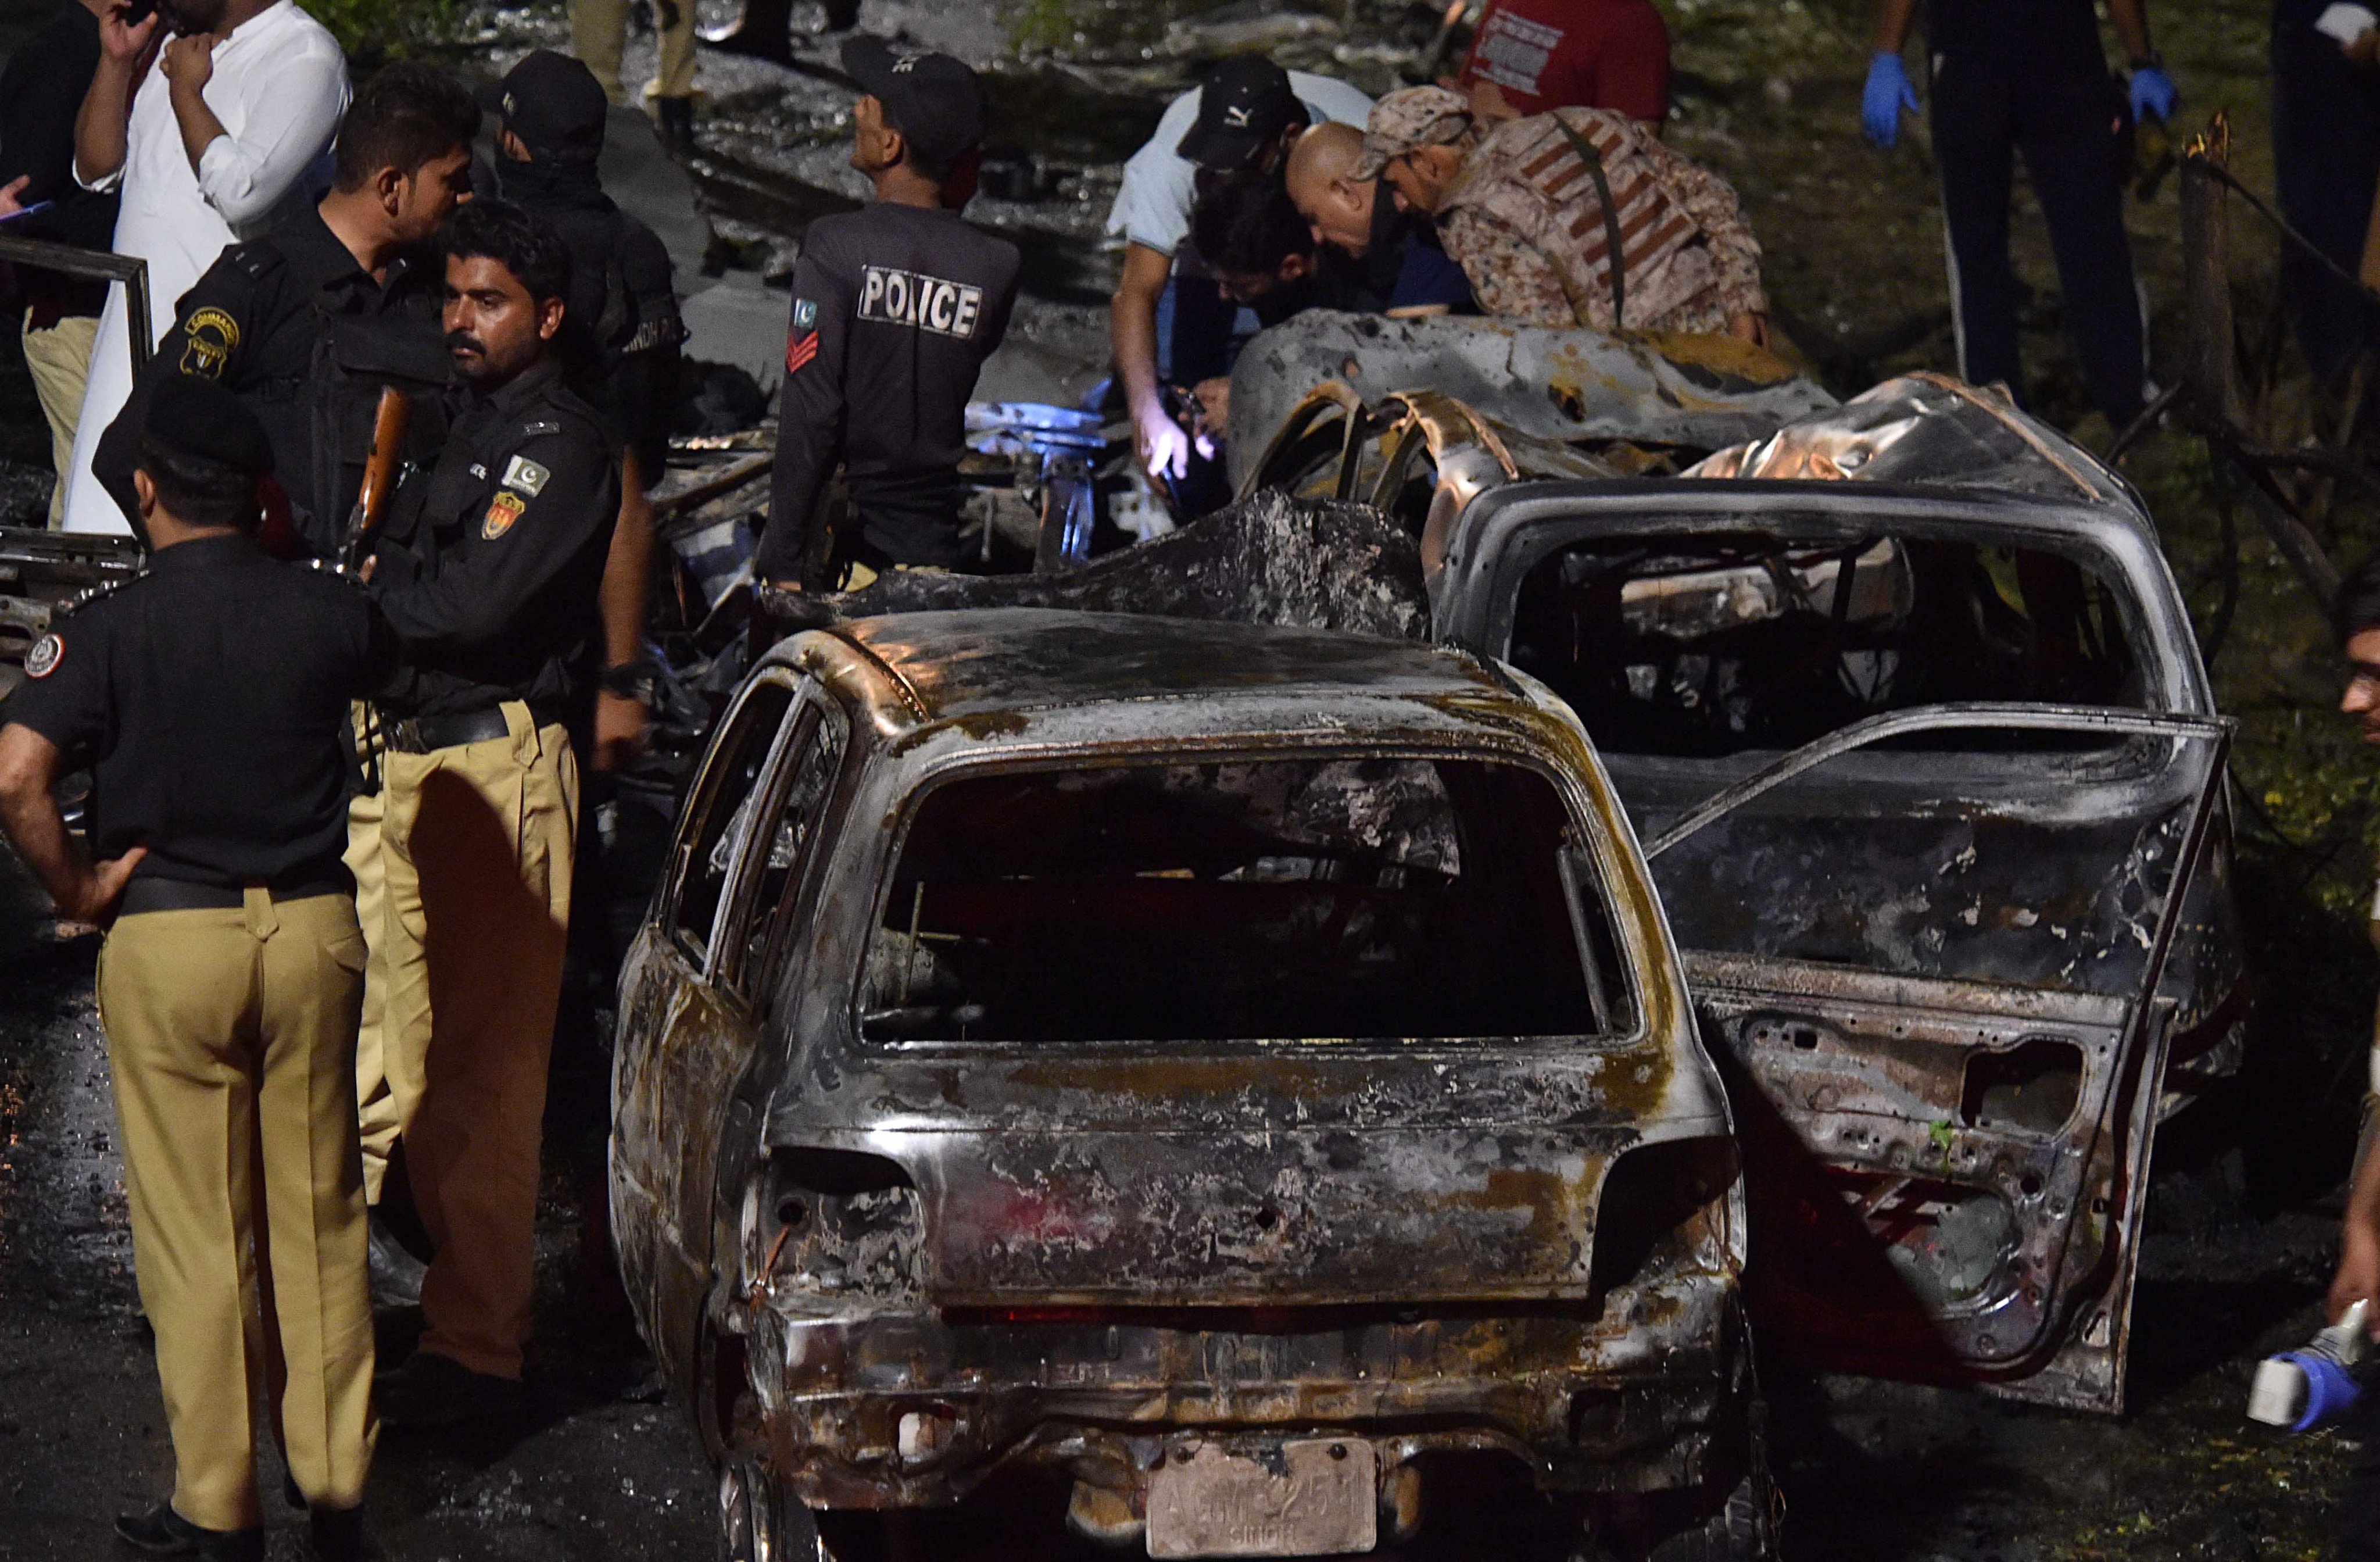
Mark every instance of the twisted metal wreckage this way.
pixel 1899 697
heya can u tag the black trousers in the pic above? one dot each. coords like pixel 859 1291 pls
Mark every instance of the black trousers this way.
pixel 2065 117
pixel 2326 162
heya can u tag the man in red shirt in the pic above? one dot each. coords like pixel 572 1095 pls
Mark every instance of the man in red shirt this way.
pixel 1531 55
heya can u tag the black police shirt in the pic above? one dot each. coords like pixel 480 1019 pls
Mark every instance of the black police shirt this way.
pixel 303 335
pixel 491 561
pixel 895 308
pixel 209 697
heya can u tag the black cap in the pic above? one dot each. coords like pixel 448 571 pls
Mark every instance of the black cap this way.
pixel 198 418
pixel 934 100
pixel 554 104
pixel 1243 109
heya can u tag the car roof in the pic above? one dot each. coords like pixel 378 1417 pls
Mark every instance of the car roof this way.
pixel 982 662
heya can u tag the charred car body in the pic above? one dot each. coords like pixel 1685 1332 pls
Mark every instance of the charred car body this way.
pixel 1229 1065
pixel 1929 771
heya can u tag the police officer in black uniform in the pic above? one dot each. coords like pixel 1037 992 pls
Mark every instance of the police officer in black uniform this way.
pixel 488 569
pixel 209 697
pixel 2031 75
pixel 895 308
pixel 307 325
pixel 623 316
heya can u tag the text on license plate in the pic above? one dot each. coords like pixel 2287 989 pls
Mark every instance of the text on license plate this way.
pixel 1316 1499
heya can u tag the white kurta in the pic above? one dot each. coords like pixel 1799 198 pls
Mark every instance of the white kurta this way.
pixel 280 85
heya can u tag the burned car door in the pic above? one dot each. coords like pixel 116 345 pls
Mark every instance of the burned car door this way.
pixel 691 1026
pixel 1933 802
pixel 1948 1171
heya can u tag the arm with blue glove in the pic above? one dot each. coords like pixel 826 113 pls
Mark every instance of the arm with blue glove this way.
pixel 2153 91
pixel 1889 91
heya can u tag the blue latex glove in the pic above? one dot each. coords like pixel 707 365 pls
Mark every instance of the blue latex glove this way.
pixel 2153 92
pixel 1887 94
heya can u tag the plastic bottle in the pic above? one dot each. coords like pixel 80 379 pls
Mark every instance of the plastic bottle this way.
pixel 2300 1390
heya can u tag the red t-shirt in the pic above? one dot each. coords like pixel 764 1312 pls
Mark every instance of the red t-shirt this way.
pixel 1575 54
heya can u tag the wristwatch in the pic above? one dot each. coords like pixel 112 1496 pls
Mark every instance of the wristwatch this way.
pixel 639 680
pixel 2153 60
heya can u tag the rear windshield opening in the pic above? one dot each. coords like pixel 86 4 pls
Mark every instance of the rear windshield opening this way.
pixel 1321 898
pixel 1714 644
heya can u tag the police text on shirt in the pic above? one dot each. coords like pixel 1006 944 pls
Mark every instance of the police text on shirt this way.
pixel 929 303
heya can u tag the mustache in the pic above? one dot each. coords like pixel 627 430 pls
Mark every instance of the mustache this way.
pixel 463 341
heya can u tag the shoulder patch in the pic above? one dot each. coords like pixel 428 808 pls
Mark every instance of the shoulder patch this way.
pixel 45 654
pixel 539 429
pixel 502 510
pixel 525 475
pixel 208 338
pixel 805 313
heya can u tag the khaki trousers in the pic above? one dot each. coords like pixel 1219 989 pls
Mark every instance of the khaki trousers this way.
pixel 59 359
pixel 467 880
pixel 599 30
pixel 230 1035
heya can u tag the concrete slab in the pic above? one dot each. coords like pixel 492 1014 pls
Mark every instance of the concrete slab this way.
pixel 641 177
pixel 736 320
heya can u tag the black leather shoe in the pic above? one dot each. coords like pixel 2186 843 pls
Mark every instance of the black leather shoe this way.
pixel 396 1272
pixel 161 1532
pixel 337 1533
pixel 439 1391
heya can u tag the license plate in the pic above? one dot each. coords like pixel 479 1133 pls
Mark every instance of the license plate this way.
pixel 1316 1499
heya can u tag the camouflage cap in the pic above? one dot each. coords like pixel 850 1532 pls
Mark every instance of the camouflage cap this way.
pixel 1415 116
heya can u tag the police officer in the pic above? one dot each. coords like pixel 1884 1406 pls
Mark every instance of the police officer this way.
pixel 622 330
pixel 210 696
pixel 307 325
pixel 2030 76
pixel 623 307
pixel 487 571
pixel 895 308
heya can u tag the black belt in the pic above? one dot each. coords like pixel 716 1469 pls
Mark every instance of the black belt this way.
pixel 421 735
pixel 180 895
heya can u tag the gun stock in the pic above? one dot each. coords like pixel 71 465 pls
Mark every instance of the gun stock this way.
pixel 390 420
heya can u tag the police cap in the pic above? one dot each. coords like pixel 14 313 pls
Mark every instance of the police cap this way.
pixel 554 104
pixel 199 418
pixel 935 101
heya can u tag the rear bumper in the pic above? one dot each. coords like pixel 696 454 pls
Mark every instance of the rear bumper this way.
pixel 911 1410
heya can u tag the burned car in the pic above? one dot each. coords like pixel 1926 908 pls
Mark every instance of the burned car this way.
pixel 1907 706
pixel 1232 1067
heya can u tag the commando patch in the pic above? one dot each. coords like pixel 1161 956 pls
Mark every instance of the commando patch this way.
pixel 502 510
pixel 43 657
pixel 207 343
pixel 525 475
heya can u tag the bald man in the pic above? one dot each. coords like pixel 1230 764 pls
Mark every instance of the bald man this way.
pixel 1398 247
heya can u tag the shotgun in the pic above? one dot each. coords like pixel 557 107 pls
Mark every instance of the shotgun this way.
pixel 390 422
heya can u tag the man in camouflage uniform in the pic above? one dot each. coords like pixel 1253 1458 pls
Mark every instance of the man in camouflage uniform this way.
pixel 1533 208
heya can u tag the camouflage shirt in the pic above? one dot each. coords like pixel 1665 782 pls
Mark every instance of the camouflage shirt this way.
pixel 1525 218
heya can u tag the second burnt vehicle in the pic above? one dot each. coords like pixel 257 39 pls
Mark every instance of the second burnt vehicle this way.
pixel 1909 710
pixel 1240 1071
